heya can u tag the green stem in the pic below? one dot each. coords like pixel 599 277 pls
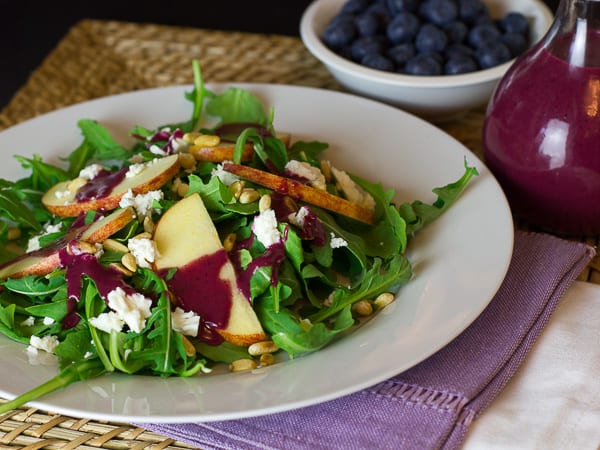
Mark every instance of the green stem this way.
pixel 89 368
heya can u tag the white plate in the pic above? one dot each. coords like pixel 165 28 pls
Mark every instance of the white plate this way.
pixel 459 260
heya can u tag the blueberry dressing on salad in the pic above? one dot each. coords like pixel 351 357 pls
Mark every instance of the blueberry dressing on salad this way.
pixel 156 291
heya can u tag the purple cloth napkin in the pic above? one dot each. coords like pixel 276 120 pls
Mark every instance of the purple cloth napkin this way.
pixel 431 405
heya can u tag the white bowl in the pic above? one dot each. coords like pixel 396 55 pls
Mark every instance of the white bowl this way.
pixel 432 97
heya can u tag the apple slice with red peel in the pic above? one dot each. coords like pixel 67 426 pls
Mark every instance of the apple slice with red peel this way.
pixel 61 201
pixel 302 192
pixel 45 260
pixel 205 281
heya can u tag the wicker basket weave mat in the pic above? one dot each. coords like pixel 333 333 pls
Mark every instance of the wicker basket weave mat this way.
pixel 99 58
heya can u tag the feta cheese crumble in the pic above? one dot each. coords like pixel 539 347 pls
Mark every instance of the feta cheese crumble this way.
pixel 227 178
pixel 144 250
pixel 352 191
pixel 265 228
pixel 337 242
pixel 304 170
pixel 142 203
pixel 90 172
pixel 185 322
pixel 107 322
pixel 34 242
pixel 133 309
pixel 45 343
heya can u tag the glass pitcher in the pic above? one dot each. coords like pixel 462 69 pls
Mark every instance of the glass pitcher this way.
pixel 541 135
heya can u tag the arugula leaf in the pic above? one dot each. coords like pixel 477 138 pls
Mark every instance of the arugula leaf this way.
pixel 236 105
pixel 13 207
pixel 101 143
pixel 418 214
pixel 43 176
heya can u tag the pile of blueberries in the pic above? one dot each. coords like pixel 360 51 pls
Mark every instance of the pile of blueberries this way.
pixel 425 37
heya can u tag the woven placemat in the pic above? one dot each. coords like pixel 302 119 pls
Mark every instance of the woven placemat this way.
pixel 99 58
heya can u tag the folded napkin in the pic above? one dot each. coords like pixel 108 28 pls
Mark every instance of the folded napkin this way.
pixel 431 405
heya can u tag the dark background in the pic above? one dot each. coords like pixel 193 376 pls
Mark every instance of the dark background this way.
pixel 30 29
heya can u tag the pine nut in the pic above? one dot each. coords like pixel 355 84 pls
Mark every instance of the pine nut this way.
pixel 266 359
pixel 229 242
pixel 122 269
pixel 85 247
pixel 182 189
pixel 363 308
pixel 248 195
pixel 13 233
pixel 264 203
pixel 241 365
pixel 207 140
pixel 112 245
pixel 260 348
pixel 190 137
pixel 236 188
pixel 384 299
pixel 128 261
pixel 143 235
pixel 149 225
pixel 175 184
pixel 187 160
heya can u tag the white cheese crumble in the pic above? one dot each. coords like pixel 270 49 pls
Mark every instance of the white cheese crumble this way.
pixel 304 170
pixel 298 218
pixel 265 228
pixel 90 172
pixel 352 191
pixel 28 322
pixel 155 149
pixel 185 322
pixel 142 203
pixel 48 321
pixel 34 242
pixel 107 322
pixel 135 169
pixel 46 343
pixel 227 178
pixel 133 309
pixel 144 250
pixel 337 242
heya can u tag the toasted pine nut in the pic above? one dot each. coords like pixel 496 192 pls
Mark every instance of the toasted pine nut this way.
pixel 13 233
pixel 121 268
pixel 175 184
pixel 241 365
pixel 266 359
pixel 114 246
pixel 229 242
pixel 248 195
pixel 260 348
pixel 363 308
pixel 85 247
pixel 190 350
pixel 236 188
pixel 128 261
pixel 148 225
pixel 187 160
pixel 182 189
pixel 190 137
pixel 207 140
pixel 143 235
pixel 264 203
pixel 383 300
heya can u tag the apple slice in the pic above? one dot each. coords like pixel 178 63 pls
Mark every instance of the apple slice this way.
pixel 60 200
pixel 302 192
pixel 205 281
pixel 45 260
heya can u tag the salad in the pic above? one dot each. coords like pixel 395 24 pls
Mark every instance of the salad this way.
pixel 218 240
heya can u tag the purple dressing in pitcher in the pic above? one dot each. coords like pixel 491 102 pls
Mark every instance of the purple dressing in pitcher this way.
pixel 542 129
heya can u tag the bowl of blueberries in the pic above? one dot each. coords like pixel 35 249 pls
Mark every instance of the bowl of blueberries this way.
pixel 433 58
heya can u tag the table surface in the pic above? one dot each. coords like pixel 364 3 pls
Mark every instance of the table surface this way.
pixel 98 58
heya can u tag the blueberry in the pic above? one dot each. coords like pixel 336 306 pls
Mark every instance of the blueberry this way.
pixel 461 64
pixel 492 54
pixel 354 6
pixel 367 24
pixel 515 22
pixel 401 53
pixel 423 65
pixel 483 34
pixel 377 61
pixel 515 42
pixel 364 45
pixel 431 39
pixel 439 12
pixel 456 51
pixel 381 11
pixel 397 6
pixel 339 32
pixel 403 28
pixel 470 10
pixel 456 30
